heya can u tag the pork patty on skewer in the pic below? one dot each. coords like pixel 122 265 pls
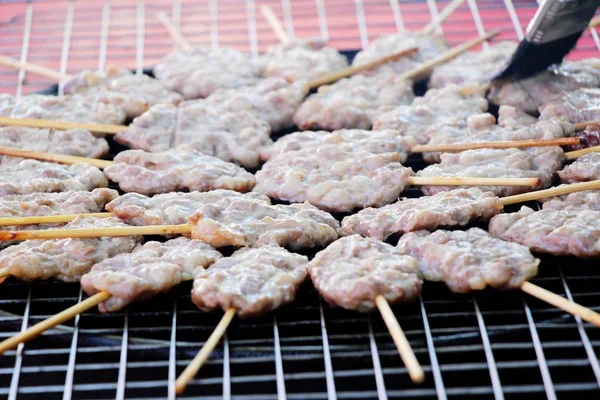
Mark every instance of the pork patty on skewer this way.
pixel 202 126
pixel 537 162
pixel 470 260
pixel 579 105
pixel 385 141
pixel 253 281
pixel 583 169
pixel 60 108
pixel 251 222
pixel 547 86
pixel 197 73
pixel 586 200
pixel 148 270
pixel 451 105
pixel 457 207
pixel 172 170
pixel 170 208
pixel 65 259
pixel 429 47
pixel 353 102
pixel 483 128
pixel 334 177
pixel 73 142
pixel 302 59
pixel 474 66
pixel 118 86
pixel 352 271
pixel 564 232
pixel 19 176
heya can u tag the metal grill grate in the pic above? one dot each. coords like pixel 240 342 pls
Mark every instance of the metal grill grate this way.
pixel 499 345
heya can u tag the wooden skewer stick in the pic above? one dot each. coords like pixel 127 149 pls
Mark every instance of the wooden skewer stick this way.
pixel 582 125
pixel 594 22
pixel 443 16
pixel 34 68
pixel 571 155
pixel 449 55
pixel 468 181
pixel 209 346
pixel 336 76
pixel 406 352
pixel 52 157
pixel 450 147
pixel 275 24
pixel 557 301
pixel 48 219
pixel 96 232
pixel 51 322
pixel 61 125
pixel 173 32
pixel 555 191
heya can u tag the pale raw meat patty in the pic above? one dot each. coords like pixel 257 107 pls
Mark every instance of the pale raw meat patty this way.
pixel 451 105
pixel 473 66
pixel 197 73
pixel 353 102
pixel 202 126
pixel 386 141
pixel 252 222
pixel 172 170
pixel 352 271
pixel 74 108
pixel 586 200
pixel 454 208
pixel 133 93
pixel 148 270
pixel 65 259
pixel 537 162
pixel 334 178
pixel 170 208
pixel 253 281
pixel 583 169
pixel 19 176
pixel 302 59
pixel 429 46
pixel 575 106
pixel 567 232
pixel 273 100
pixel 470 260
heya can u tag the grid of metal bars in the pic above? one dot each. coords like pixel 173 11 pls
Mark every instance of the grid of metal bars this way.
pixel 486 345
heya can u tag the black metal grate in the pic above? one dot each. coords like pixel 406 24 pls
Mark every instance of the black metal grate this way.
pixel 487 345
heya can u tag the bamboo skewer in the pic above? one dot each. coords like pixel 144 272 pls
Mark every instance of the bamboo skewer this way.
pixel 96 232
pixel 582 125
pixel 34 68
pixel 571 155
pixel 275 24
pixel 449 55
pixel 173 32
pixel 450 147
pixel 443 16
pixel 61 125
pixel 552 192
pixel 468 181
pixel 52 157
pixel 48 219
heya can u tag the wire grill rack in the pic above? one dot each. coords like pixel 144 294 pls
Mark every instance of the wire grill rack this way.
pixel 486 345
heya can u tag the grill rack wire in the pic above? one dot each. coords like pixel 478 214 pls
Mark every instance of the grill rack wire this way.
pixel 485 345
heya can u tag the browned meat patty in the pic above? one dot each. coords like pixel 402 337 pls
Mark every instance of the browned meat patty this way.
pixel 250 222
pixel 302 59
pixel 386 141
pixel 457 207
pixel 202 126
pixel 173 170
pixel 253 281
pixel 589 137
pixel 451 105
pixel 197 73
pixel 353 102
pixel 334 178
pixel 538 162
pixel 60 108
pixel 18 176
pixel 73 142
pixel 429 47
pixel 133 93
pixel 148 270
pixel 352 271
pixel 583 169
pixel 170 208
pixel 586 200
pixel 65 259
pixel 566 232
pixel 470 260
pixel 473 66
